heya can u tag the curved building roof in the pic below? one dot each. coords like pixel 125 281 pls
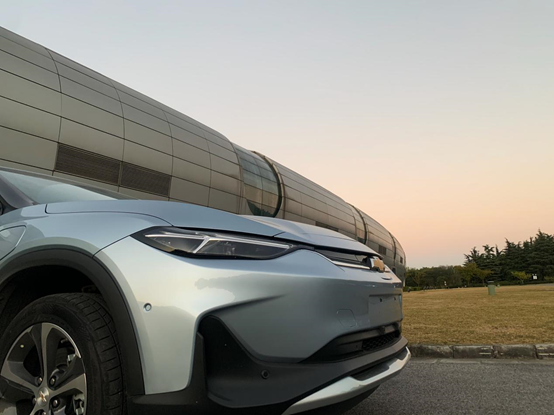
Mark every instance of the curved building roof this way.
pixel 64 119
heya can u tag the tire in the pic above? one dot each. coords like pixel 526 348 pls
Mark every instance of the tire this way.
pixel 81 332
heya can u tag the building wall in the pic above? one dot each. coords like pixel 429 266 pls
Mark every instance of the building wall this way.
pixel 64 119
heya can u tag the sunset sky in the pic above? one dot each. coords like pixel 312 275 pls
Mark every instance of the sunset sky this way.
pixel 434 117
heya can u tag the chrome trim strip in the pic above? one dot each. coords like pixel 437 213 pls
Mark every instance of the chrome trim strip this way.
pixel 351 387
pixel 349 265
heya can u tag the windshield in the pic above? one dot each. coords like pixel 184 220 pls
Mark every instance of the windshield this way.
pixel 42 190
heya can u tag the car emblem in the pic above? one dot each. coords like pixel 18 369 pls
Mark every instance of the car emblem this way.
pixel 377 264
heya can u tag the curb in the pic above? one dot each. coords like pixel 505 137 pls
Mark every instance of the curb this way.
pixel 495 351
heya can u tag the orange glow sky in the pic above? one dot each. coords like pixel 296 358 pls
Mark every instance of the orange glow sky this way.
pixel 436 118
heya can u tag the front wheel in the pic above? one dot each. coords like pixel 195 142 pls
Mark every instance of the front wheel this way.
pixel 60 356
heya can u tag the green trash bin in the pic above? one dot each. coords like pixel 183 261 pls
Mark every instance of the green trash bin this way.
pixel 492 288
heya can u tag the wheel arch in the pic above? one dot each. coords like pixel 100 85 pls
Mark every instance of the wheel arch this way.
pixel 12 276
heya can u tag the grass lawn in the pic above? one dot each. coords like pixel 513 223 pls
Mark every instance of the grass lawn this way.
pixel 516 315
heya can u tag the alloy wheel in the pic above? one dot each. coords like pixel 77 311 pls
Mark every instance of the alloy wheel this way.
pixel 43 374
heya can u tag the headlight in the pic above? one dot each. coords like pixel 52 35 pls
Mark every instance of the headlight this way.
pixel 212 244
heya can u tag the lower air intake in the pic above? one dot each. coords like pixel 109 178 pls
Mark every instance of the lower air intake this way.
pixel 357 344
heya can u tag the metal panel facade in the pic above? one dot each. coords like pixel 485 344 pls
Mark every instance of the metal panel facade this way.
pixel 57 116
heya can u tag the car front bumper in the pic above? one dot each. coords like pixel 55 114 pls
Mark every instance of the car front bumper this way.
pixel 353 386
pixel 280 311
pixel 227 381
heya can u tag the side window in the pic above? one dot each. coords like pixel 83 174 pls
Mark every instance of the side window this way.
pixel 382 250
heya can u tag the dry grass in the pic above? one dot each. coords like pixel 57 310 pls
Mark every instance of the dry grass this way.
pixel 515 315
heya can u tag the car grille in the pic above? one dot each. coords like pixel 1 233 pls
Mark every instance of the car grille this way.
pixel 379 342
pixel 352 259
pixel 368 262
pixel 357 344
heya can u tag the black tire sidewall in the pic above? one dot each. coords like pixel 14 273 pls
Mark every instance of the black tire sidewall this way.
pixel 54 310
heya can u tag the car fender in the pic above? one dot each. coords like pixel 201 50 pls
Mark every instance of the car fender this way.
pixel 108 288
pixel 72 240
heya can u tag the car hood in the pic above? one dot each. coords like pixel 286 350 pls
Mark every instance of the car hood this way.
pixel 311 234
pixel 192 216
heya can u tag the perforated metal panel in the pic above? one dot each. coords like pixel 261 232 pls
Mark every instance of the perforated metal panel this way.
pixel 138 178
pixel 82 163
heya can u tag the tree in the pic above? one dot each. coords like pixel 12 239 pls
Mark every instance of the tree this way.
pixel 483 274
pixel 541 255
pixel 470 271
pixel 474 256
pixel 522 276
pixel 466 272
pixel 418 277
pixel 532 256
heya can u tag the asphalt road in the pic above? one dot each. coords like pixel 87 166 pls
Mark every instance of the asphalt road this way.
pixel 458 386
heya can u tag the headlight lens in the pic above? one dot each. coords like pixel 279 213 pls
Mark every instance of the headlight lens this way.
pixel 212 244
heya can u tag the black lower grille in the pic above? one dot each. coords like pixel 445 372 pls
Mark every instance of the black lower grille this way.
pixel 375 343
pixel 356 344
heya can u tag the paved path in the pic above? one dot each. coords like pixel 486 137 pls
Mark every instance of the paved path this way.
pixel 458 386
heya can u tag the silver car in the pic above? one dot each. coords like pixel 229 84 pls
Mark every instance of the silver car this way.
pixel 110 305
